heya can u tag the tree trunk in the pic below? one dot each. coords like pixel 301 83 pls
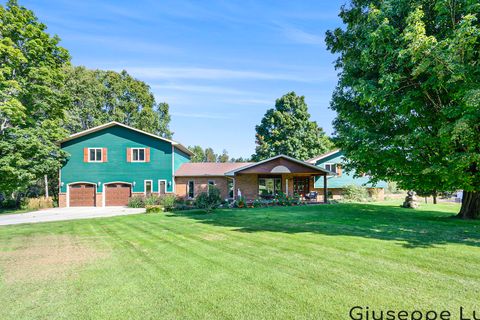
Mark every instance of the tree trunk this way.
pixel 470 205
pixel 46 186
pixel 434 198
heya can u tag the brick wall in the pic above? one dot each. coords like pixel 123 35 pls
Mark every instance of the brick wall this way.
pixel 62 200
pixel 248 185
pixel 201 185
pixel 99 199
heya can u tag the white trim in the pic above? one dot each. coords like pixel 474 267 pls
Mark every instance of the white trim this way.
pixel 286 186
pixel 188 189
pixel 138 154
pixel 164 180
pixel 115 123
pixel 145 186
pixel 320 157
pixel 101 154
pixel 173 172
pixel 233 188
pixel 106 183
pixel 77 182
pixel 309 165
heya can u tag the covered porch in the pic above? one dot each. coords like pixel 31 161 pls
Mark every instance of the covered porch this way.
pixel 281 174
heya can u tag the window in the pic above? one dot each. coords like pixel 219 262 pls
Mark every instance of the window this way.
pixel 94 154
pixel 191 189
pixel 331 167
pixel 269 186
pixel 210 183
pixel 138 154
pixel 148 187
pixel 301 185
pixel 230 188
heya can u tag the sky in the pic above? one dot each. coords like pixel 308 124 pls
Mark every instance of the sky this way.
pixel 219 64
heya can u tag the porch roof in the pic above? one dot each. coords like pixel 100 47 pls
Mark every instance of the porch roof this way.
pixel 280 164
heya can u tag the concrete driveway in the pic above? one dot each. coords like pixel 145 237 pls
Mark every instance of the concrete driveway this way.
pixel 60 214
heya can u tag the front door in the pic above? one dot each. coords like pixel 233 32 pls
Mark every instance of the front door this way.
pixel 162 188
pixel 301 185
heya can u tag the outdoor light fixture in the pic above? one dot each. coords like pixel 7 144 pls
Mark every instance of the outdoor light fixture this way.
pixel 62 184
pixel 99 183
pixel 134 183
pixel 169 183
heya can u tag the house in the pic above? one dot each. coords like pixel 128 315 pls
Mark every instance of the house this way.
pixel 333 161
pixel 110 163
pixel 250 180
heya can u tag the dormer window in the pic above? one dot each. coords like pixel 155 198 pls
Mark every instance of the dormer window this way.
pixel 331 167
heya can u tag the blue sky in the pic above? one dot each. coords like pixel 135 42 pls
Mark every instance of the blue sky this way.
pixel 219 64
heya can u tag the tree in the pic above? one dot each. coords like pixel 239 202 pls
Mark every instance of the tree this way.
pixel 224 156
pixel 286 129
pixel 408 95
pixel 98 97
pixel 210 155
pixel 32 101
pixel 198 154
pixel 240 159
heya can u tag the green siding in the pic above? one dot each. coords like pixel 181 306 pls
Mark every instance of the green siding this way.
pixel 179 159
pixel 347 178
pixel 117 139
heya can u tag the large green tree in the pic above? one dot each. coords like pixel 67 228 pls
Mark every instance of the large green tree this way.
pixel 32 102
pixel 287 129
pixel 408 96
pixel 99 96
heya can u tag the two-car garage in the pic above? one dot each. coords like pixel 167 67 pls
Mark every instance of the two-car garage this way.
pixel 83 194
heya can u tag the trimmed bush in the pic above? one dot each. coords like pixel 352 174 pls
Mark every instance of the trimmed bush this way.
pixel 210 200
pixel 154 208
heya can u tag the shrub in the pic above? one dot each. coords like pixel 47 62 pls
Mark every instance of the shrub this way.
pixel 136 202
pixel 240 203
pixel 354 193
pixel 151 200
pixel 154 208
pixel 167 201
pixel 38 203
pixel 209 200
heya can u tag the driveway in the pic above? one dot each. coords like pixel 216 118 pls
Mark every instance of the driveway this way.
pixel 60 214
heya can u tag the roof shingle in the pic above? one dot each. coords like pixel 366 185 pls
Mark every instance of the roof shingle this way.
pixel 208 168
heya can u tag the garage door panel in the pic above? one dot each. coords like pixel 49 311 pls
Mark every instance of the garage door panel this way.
pixel 82 195
pixel 117 194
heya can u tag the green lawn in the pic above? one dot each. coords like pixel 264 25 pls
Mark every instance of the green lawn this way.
pixel 300 262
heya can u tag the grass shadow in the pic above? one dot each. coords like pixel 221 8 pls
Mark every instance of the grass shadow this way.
pixel 428 227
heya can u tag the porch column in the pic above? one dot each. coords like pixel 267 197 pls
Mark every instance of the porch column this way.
pixel 325 192
pixel 286 186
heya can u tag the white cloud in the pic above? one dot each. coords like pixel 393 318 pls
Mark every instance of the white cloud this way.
pixel 199 89
pixel 300 36
pixel 210 74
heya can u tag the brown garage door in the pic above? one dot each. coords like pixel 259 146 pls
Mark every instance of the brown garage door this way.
pixel 82 195
pixel 117 194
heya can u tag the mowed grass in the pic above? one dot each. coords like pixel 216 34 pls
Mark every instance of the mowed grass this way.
pixel 275 263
